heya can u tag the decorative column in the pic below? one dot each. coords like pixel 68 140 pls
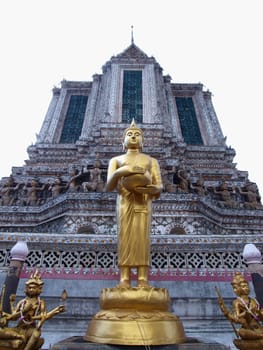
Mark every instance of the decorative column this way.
pixel 253 258
pixel 149 95
pixel 173 114
pixel 218 134
pixel 50 131
pixel 18 253
pixel 91 108
pixel 41 138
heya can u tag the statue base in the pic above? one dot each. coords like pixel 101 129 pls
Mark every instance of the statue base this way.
pixel 135 316
pixel 78 343
pixel 151 328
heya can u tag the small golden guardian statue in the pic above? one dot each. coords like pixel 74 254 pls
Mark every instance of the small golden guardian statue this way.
pixel 31 313
pixel 247 312
pixel 134 315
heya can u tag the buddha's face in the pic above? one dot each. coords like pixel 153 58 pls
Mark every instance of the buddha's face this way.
pixel 133 139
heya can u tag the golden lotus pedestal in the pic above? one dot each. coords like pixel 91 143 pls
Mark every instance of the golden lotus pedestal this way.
pixel 135 316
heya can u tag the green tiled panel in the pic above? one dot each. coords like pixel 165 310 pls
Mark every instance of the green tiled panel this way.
pixel 188 121
pixel 74 119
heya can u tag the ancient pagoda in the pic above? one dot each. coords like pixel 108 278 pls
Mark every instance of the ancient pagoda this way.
pixel 57 202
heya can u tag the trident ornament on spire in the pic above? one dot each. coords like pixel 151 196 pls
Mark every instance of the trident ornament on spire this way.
pixel 132 39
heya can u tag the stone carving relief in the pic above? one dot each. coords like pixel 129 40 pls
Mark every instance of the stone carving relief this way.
pixel 223 195
pixel 35 193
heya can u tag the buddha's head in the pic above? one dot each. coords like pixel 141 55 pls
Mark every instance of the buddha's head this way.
pixel 133 137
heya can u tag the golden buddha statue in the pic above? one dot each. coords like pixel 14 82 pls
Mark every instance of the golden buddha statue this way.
pixel 247 312
pixel 138 180
pixel 31 313
pixel 134 315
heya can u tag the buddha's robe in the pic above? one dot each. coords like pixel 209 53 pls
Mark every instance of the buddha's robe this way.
pixel 134 212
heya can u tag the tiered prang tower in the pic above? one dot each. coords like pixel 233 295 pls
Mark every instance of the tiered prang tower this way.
pixel 57 203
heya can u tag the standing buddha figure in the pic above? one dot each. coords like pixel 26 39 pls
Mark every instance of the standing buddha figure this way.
pixel 137 178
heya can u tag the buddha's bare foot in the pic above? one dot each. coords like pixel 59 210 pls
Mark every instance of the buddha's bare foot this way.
pixel 124 284
pixel 143 284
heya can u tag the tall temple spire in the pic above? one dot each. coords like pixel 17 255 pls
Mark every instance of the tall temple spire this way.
pixel 132 39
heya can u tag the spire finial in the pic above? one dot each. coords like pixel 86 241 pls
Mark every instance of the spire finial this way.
pixel 132 39
pixel 133 124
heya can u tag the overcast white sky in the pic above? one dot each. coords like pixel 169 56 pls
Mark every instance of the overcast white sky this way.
pixel 215 42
